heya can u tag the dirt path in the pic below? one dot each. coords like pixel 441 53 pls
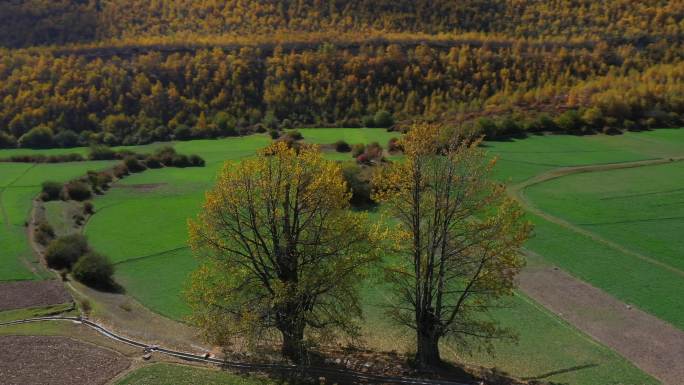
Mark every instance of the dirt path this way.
pixel 651 344
pixel 518 192
pixel 121 312
pixel 654 346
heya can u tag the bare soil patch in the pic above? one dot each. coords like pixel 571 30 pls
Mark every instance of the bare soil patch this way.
pixel 18 295
pixel 651 344
pixel 56 360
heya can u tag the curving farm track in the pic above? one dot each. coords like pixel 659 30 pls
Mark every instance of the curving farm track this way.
pixel 338 375
pixel 651 344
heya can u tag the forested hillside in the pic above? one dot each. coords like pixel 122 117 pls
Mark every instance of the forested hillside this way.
pixel 58 21
pixel 134 71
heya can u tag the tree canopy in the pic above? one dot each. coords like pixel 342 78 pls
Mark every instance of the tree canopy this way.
pixel 458 240
pixel 279 251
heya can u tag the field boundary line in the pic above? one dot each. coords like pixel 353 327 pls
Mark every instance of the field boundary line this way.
pixel 517 191
pixel 648 342
pixel 136 259
pixel 3 211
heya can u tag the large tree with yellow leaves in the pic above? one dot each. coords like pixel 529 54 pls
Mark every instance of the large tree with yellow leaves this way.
pixel 280 251
pixel 458 240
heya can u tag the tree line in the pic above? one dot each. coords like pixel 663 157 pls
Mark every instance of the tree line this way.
pixel 40 22
pixel 67 100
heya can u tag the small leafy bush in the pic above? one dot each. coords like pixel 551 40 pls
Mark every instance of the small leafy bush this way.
pixel 342 146
pixel 165 155
pixel 88 208
pixel 63 252
pixel 134 164
pixel 294 135
pixel 120 170
pixel 44 233
pixel 383 119
pixel 78 191
pixel 180 160
pixel 153 162
pixel 196 161
pixel 101 152
pixel 274 134
pixel 51 191
pixel 358 149
pixel 393 145
pixel 95 270
pixel 368 121
pixel 358 181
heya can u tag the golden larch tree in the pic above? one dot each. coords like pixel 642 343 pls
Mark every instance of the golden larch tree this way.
pixel 280 251
pixel 458 240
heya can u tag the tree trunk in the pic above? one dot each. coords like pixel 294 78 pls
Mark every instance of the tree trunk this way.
pixel 292 331
pixel 427 354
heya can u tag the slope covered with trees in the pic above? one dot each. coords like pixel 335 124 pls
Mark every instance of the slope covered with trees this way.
pixel 138 71
pixel 79 20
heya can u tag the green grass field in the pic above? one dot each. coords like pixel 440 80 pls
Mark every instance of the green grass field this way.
pixel 19 184
pixel 164 374
pixel 141 224
pixel 639 209
pixel 521 159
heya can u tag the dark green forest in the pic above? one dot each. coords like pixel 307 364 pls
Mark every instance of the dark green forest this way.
pixel 132 72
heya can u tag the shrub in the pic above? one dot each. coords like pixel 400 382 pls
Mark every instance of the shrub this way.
pixel 274 134
pixel 120 170
pixel 374 151
pixel 182 132
pixel 342 146
pixel 294 135
pixel 260 128
pixel 358 181
pixel 393 145
pixel 95 270
pixel 51 191
pixel 67 138
pixel 383 119
pixel 358 149
pixel 508 127
pixel 77 191
pixel 630 125
pixel 487 127
pixel 44 233
pixel 286 124
pixel 180 160
pixel 165 155
pixel 363 159
pixel 594 117
pixel 38 137
pixel 368 121
pixel 101 152
pixel 63 252
pixel 196 161
pixel 88 208
pixel 99 180
pixel 153 161
pixel 7 140
pixel 570 121
pixel 134 164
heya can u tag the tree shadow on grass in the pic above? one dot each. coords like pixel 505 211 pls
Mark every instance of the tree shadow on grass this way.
pixel 561 371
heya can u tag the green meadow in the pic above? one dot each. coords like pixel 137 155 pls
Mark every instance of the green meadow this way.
pixel 20 183
pixel 163 374
pixel 141 224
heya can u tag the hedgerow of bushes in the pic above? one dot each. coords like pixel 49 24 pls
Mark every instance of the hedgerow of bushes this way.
pixel 72 253
pixel 94 182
